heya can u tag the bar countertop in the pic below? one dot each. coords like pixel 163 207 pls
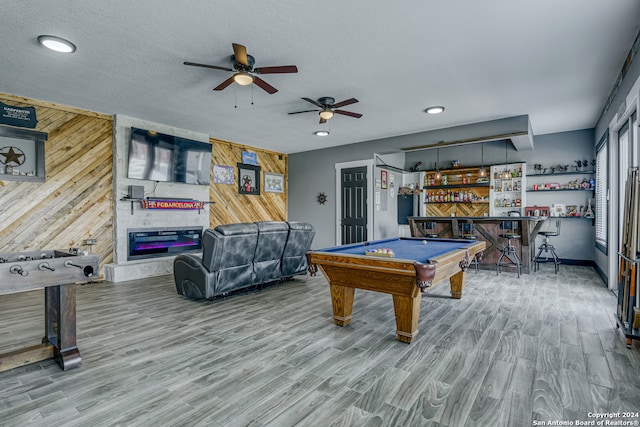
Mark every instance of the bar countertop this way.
pixel 486 228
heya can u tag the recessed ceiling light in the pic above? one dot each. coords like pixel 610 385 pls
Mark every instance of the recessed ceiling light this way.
pixel 321 133
pixel 57 44
pixel 434 110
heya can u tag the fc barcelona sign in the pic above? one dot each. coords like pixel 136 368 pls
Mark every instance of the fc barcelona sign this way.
pixel 171 204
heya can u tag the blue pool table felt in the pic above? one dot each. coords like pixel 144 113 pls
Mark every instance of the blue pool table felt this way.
pixel 411 249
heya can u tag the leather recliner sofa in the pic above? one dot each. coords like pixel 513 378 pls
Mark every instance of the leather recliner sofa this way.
pixel 237 256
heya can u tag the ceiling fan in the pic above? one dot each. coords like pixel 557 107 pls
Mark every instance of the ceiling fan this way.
pixel 245 73
pixel 329 108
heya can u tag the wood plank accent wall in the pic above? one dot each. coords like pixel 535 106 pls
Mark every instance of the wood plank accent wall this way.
pixel 231 207
pixel 75 201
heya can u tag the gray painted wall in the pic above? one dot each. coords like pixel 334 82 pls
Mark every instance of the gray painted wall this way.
pixel 313 172
pixel 385 213
pixel 617 104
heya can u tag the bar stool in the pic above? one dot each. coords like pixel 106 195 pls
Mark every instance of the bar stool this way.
pixel 509 256
pixel 429 229
pixel 547 247
pixel 468 231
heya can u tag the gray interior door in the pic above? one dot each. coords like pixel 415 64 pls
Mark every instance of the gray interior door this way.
pixel 354 204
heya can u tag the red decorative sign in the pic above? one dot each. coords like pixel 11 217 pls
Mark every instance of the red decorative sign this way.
pixel 171 204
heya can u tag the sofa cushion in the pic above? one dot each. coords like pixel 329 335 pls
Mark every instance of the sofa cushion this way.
pixel 235 229
pixel 272 237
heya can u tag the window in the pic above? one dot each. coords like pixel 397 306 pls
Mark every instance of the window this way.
pixel 602 192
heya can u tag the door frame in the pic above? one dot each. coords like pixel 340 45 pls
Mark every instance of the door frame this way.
pixel 370 181
pixel 615 204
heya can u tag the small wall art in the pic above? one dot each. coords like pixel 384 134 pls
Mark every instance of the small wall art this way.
pixel 248 179
pixel 273 182
pixel 249 158
pixel 223 174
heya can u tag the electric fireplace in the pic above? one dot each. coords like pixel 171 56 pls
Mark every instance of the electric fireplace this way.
pixel 160 242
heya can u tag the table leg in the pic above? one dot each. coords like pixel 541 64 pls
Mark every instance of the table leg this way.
pixel 60 324
pixel 407 311
pixel 342 301
pixel 457 283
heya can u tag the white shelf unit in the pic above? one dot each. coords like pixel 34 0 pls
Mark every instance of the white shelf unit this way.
pixel 507 194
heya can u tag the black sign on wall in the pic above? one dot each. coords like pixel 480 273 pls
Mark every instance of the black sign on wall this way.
pixel 18 116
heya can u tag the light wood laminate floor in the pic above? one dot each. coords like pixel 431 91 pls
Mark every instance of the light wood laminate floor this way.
pixel 543 347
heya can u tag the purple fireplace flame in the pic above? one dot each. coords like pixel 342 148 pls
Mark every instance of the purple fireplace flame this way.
pixel 159 242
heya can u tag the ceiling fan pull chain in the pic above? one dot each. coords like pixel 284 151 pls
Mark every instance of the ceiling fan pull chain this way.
pixel 251 94
pixel 235 97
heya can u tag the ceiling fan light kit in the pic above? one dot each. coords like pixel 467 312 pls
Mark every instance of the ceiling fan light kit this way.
pixel 243 79
pixel 326 114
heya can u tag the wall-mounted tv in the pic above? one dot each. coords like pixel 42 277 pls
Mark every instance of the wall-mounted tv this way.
pixel 159 157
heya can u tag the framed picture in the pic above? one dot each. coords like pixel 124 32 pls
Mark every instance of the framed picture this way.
pixel 249 158
pixel 248 179
pixel 223 174
pixel 558 209
pixel 537 211
pixel 273 182
pixel 383 179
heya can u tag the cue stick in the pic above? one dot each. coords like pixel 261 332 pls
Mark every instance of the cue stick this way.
pixel 622 266
pixel 628 241
pixel 633 247
pixel 630 247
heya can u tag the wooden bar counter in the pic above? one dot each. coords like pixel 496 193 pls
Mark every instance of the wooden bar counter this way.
pixel 487 229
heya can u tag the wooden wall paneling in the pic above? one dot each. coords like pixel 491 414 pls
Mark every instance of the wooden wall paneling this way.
pixel 75 202
pixel 231 207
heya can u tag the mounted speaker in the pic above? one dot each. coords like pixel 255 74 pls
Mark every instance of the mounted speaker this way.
pixel 136 192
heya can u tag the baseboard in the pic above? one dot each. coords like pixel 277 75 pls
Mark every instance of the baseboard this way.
pixel 582 262
pixel 602 274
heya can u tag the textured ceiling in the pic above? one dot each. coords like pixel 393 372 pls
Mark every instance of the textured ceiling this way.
pixel 553 60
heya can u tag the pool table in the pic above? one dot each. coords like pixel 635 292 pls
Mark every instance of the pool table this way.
pixel 416 264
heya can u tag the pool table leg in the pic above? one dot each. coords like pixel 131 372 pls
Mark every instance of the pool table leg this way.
pixel 407 310
pixel 342 301
pixel 457 283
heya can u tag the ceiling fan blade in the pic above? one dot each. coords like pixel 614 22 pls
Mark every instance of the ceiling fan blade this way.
pixel 348 113
pixel 264 85
pixel 224 84
pixel 314 102
pixel 345 102
pixel 322 121
pixel 240 52
pixel 215 67
pixel 305 111
pixel 276 70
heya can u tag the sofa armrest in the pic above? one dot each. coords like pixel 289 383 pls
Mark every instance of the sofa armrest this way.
pixel 192 279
